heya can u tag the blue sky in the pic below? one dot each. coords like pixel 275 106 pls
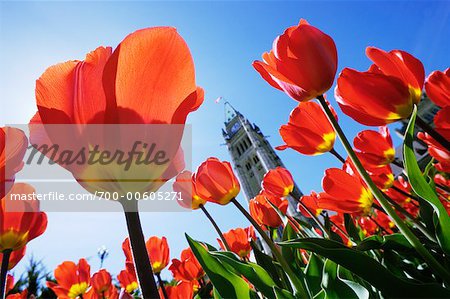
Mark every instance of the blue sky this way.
pixel 224 37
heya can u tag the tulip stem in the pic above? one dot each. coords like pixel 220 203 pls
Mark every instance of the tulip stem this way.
pixel 4 270
pixel 337 155
pixel 415 222
pixel 140 256
pixel 213 222
pixel 402 226
pixel 433 133
pixel 161 285
pixel 314 217
pixel 296 282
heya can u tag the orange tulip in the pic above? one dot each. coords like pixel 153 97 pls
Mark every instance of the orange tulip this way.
pixel 437 87
pixel 102 286
pixel 189 197
pixel 302 63
pixel 13 144
pixel 22 225
pixel 72 279
pixel 263 212
pixel 128 280
pixel 311 202
pixel 308 131
pixel 158 251
pixel 148 79
pixel 188 268
pixel 182 290
pixel 375 148
pixel 278 182
pixel 386 92
pixel 215 181
pixel 15 257
pixel 239 240
pixel 344 193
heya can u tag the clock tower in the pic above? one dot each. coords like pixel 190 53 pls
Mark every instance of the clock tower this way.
pixel 251 153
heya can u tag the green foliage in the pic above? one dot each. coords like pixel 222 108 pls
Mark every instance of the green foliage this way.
pixel 369 269
pixel 226 283
pixel 421 187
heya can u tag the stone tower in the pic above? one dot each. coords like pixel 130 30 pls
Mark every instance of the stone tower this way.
pixel 251 153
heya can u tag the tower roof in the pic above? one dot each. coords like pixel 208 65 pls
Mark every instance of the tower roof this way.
pixel 229 112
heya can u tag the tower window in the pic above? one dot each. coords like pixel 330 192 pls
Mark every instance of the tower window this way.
pixel 242 147
pixel 238 150
pixel 255 159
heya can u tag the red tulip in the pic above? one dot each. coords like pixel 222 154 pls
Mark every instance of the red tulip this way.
pixel 9 283
pixel 375 148
pixel 148 79
pixel 311 202
pixel 437 151
pixel 128 280
pixel 302 63
pixel 15 257
pixel 216 182
pixel 188 268
pixel 13 144
pixel 308 131
pixel 368 226
pixel 402 184
pixel 278 182
pixel 189 197
pixel 72 279
pixel 442 121
pixel 437 87
pixel 344 193
pixel 158 251
pixel 442 180
pixel 102 286
pixel 386 92
pixel 182 290
pixel 239 240
pixel 381 176
pixel 25 223
pixel 263 212
pixel 21 295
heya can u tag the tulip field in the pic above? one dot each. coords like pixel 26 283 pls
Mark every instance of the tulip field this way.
pixel 368 233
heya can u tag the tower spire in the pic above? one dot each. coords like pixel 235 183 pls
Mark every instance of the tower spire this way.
pixel 229 112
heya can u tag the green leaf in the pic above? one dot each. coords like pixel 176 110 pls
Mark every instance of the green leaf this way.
pixel 253 272
pixel 423 189
pixel 394 241
pixel 270 266
pixel 228 284
pixel 332 285
pixel 282 294
pixel 369 269
pixel 347 277
pixel 351 229
pixel 313 274
pixel 291 255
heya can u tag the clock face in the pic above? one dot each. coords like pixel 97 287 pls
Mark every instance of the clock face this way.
pixel 235 127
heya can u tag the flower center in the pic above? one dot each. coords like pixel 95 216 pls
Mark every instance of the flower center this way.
pixel 77 289
pixel 327 144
